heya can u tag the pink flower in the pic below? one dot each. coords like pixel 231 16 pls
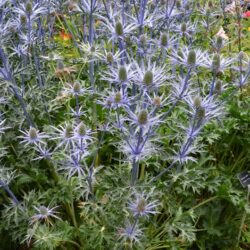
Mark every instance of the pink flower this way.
pixel 246 14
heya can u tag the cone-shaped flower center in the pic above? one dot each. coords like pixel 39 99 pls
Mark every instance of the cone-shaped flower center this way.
pixel 216 62
pixel 28 7
pixel 123 74
pixel 157 101
pixel 141 205
pixel 118 97
pixel 191 59
pixel 118 29
pixel 143 117
pixel 43 210
pixel 77 87
pixel 148 78
pixel 33 133
pixel 68 132
pixel 109 57
pixel 164 39
pixel 197 102
pixel 183 27
pixel 81 130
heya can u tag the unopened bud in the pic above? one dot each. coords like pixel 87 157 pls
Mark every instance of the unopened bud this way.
pixel 219 42
pixel 28 7
pixel 183 27
pixel 81 130
pixel 68 132
pixel 118 97
pixel 191 59
pixel 157 101
pixel 109 57
pixel 32 133
pixel 143 117
pixel 123 74
pixel 77 87
pixel 119 29
pixel 216 63
pixel 197 102
pixel 148 78
pixel 164 39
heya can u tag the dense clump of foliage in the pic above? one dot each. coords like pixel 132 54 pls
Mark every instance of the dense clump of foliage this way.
pixel 124 124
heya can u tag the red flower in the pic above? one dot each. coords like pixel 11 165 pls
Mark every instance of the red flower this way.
pixel 246 14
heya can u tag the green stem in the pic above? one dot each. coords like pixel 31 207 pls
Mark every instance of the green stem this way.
pixel 243 217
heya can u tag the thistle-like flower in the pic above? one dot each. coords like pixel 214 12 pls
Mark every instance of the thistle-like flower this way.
pixel 218 63
pixel 120 74
pixel 45 214
pixel 33 136
pixel 118 29
pixel 74 165
pixel 75 89
pixel 140 206
pixel 131 232
pixel 65 136
pixel 149 76
pixel 190 57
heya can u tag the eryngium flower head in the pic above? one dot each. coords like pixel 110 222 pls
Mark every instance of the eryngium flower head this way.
pixel 140 206
pixel 120 74
pixel 45 214
pixel 131 233
pixel 32 136
pixel 218 63
pixel 149 76
pixel 190 57
pixel 65 136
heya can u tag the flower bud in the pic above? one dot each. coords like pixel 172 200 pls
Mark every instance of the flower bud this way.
pixel 183 27
pixel 33 133
pixel 148 78
pixel 92 49
pixel 81 130
pixel 119 29
pixel 109 57
pixel 191 59
pixel 43 210
pixel 143 39
pixel 68 132
pixel 197 102
pixel 143 117
pixel 157 101
pixel 219 42
pixel 118 97
pixel 141 206
pixel 216 63
pixel 164 40
pixel 77 88
pixel 178 4
pixel 28 7
pixel 23 20
pixel 123 74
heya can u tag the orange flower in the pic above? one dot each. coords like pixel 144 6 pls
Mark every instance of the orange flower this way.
pixel 65 36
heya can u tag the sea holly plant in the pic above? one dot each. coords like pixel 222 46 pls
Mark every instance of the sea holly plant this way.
pixel 113 117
